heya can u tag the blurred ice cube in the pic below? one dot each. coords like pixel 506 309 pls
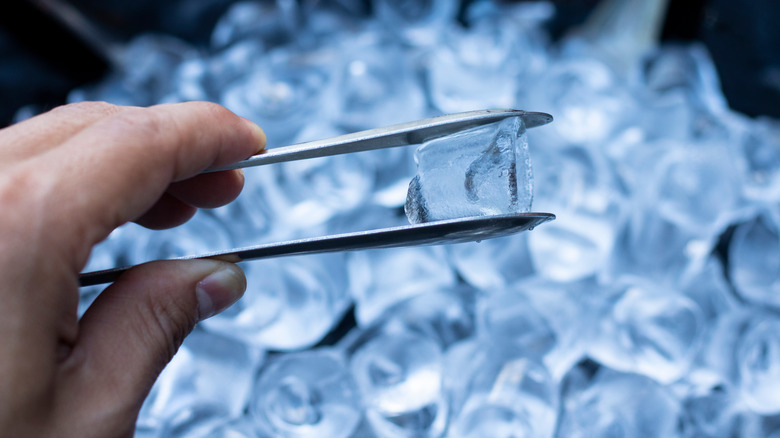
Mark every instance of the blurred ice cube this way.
pixel 400 380
pixel 307 193
pixel 509 319
pixel 601 403
pixel 202 234
pixel 683 75
pixel 589 105
pixel 259 21
pixel 711 405
pixel 306 394
pixel 289 304
pixel 678 87
pixel 499 393
pixel 651 331
pixel 195 421
pixel 488 58
pixel 648 245
pixel 145 75
pixel 758 363
pixel 383 277
pixel 445 315
pixel 572 248
pixel 251 219
pixel 208 370
pixel 376 85
pixel 207 421
pixel 281 92
pixel 204 78
pixel 580 186
pixel 418 22
pixel 479 172
pixel 696 186
pixel 493 263
pixel 711 291
pixel 754 259
pixel 760 149
pixel 562 306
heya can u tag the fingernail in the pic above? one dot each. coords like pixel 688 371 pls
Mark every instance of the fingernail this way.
pixel 219 290
pixel 259 134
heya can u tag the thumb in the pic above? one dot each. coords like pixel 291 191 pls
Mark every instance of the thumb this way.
pixel 136 325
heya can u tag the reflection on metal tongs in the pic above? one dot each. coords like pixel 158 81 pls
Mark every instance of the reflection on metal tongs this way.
pixel 431 233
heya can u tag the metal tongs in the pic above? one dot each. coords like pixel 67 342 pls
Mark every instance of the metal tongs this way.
pixel 459 230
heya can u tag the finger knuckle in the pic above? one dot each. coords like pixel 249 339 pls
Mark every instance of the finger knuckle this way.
pixel 89 107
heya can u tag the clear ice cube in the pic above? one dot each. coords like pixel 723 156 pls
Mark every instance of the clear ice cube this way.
pixel 381 278
pixel 208 370
pixel 400 379
pixel 601 403
pixel 418 22
pixel 445 314
pixel 754 256
pixel 494 263
pixel 711 405
pixel 493 390
pixel 479 172
pixel 306 394
pixel 288 305
pixel 490 58
pixel 650 330
pixel 758 363
pixel 202 234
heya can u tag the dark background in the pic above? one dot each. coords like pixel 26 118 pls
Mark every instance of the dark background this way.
pixel 42 58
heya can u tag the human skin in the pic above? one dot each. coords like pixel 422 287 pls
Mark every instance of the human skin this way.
pixel 67 179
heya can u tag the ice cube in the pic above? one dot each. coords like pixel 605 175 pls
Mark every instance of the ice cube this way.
pixel 251 20
pixel 711 405
pixel 494 390
pixel 758 363
pixel 489 58
pixel 754 260
pixel 399 376
pixel 761 154
pixel 418 22
pixel 492 264
pixel 208 370
pixel 381 278
pixel 282 92
pixel 288 304
pixel 601 403
pixel 376 85
pixel 202 234
pixel 445 315
pixel 510 319
pixel 479 172
pixel 650 330
pixel 309 192
pixel 306 394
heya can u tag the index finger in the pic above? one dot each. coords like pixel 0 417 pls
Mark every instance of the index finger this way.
pixel 116 169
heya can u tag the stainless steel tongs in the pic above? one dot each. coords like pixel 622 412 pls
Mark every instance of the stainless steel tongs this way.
pixel 404 134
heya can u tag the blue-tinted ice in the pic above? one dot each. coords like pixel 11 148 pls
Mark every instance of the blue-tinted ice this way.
pixel 400 380
pixel 648 308
pixel 306 394
pixel 602 403
pixel 479 172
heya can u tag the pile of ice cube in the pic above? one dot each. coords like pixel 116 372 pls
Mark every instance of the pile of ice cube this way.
pixel 648 308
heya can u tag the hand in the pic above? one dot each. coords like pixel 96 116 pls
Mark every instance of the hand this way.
pixel 67 179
